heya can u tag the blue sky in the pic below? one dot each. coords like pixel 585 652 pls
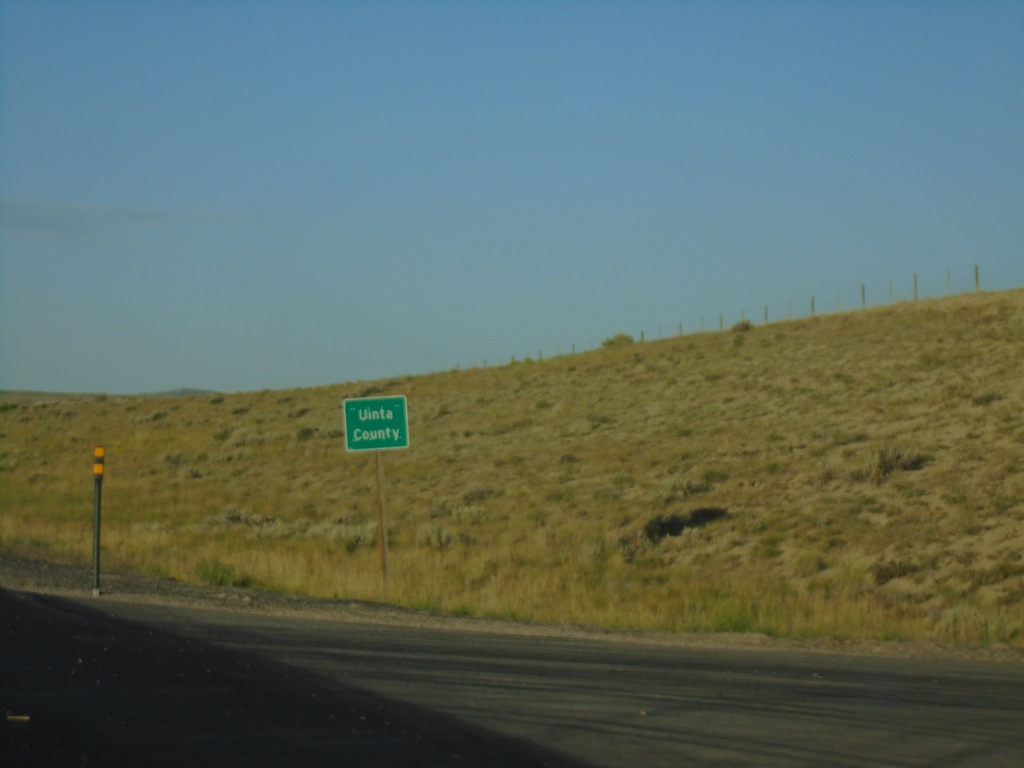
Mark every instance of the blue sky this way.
pixel 261 195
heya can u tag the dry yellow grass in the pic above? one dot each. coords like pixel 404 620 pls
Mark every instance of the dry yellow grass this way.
pixel 855 475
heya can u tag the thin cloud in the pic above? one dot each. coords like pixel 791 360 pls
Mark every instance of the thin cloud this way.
pixel 69 220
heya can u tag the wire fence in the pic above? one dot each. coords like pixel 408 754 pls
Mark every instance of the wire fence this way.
pixel 847 299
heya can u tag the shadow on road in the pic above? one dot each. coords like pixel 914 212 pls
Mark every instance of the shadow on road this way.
pixel 98 691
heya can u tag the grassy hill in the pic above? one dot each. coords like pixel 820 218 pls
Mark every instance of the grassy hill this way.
pixel 854 475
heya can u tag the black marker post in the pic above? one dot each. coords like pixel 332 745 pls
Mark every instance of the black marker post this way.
pixel 97 473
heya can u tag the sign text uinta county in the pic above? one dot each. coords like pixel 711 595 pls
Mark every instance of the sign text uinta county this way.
pixel 376 423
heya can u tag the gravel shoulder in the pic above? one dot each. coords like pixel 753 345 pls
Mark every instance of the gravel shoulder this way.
pixel 27 573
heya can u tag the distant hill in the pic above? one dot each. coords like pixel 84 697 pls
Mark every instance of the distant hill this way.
pixel 27 397
pixel 184 392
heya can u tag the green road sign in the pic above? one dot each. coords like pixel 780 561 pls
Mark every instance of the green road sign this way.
pixel 376 423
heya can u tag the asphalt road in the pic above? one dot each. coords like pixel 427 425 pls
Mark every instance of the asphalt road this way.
pixel 138 684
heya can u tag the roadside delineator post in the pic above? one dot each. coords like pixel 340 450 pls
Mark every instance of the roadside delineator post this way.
pixel 98 454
